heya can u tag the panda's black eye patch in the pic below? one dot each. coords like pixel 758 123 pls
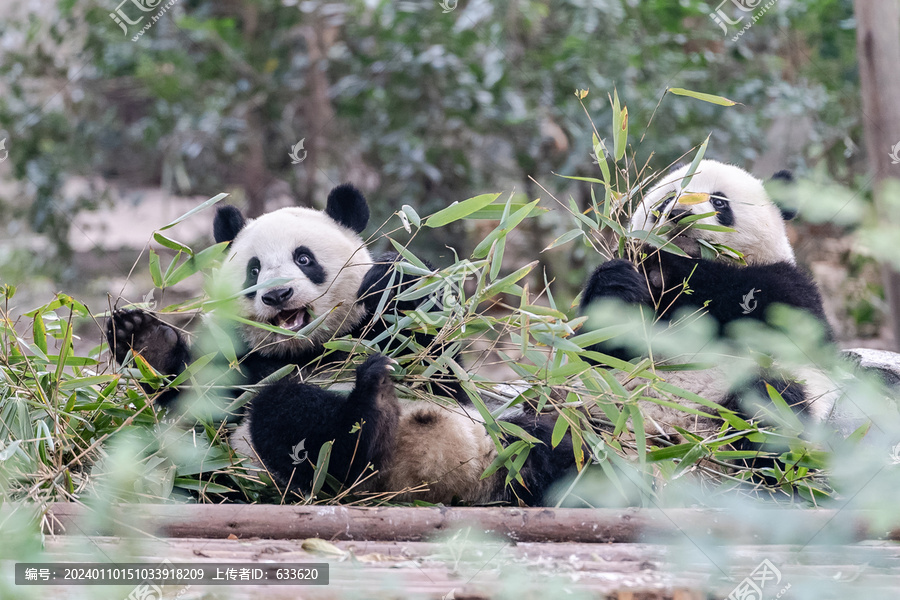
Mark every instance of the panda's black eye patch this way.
pixel 724 214
pixel 253 267
pixel 306 260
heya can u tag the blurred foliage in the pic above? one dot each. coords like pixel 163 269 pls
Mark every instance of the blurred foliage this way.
pixel 424 106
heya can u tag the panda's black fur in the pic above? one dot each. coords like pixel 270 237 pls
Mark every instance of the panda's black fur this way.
pixel 716 287
pixel 409 444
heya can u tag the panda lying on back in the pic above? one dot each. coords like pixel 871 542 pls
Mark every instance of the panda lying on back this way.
pixel 723 289
pixel 331 272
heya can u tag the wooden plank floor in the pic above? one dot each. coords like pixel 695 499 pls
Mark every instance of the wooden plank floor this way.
pixel 524 570
pixel 528 559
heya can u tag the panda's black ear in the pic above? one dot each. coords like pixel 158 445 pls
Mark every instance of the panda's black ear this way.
pixel 787 214
pixel 783 177
pixel 348 206
pixel 677 166
pixel 228 222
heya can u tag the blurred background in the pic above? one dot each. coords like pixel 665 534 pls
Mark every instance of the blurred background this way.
pixel 117 118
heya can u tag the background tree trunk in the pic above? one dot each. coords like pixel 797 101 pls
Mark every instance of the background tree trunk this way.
pixel 878 47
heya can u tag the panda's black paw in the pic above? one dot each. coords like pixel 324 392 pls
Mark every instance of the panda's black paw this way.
pixel 616 278
pixel 375 374
pixel 142 333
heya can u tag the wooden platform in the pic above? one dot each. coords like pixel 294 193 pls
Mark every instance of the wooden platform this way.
pixel 444 553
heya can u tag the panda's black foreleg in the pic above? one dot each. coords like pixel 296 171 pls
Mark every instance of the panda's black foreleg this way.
pixel 139 332
pixel 289 423
pixel 615 279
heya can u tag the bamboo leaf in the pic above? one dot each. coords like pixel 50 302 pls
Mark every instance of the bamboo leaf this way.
pixel 321 468
pixel 505 226
pixel 695 198
pixel 194 210
pixel 84 382
pixel 712 99
pixel 701 152
pixel 195 264
pixel 412 215
pixel 564 239
pixel 600 154
pixel 587 179
pixel 39 332
pixel 155 270
pixel 559 430
pixel 172 244
pixel 459 210
pixel 501 285
pixel 711 227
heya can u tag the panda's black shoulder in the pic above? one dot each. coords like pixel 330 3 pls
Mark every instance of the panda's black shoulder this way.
pixel 384 277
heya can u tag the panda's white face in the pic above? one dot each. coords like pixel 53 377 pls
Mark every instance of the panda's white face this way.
pixel 739 201
pixel 324 262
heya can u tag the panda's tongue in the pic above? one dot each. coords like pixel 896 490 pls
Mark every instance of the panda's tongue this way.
pixel 294 320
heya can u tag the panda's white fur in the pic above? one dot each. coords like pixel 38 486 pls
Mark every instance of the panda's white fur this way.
pixel 760 234
pixel 270 238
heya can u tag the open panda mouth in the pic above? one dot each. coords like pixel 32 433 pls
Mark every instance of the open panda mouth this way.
pixel 294 319
pixel 686 242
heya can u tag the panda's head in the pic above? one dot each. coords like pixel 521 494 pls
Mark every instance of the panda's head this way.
pixel 320 253
pixel 739 202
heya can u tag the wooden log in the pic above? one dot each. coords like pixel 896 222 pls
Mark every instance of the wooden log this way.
pixel 418 524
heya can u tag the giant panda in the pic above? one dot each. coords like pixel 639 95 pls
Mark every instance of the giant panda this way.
pixel 409 445
pixel 721 287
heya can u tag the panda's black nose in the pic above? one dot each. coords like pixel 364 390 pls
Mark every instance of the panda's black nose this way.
pixel 277 297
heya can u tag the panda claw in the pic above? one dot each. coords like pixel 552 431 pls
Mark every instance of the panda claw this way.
pixel 375 371
pixel 137 331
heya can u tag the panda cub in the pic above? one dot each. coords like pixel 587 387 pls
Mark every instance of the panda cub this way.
pixel 329 271
pixel 723 289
